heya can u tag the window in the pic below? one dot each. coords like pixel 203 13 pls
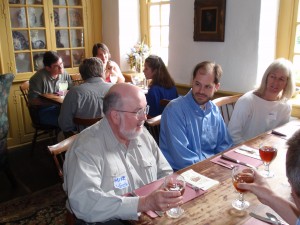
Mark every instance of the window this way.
pixel 295 52
pixel 288 34
pixel 155 18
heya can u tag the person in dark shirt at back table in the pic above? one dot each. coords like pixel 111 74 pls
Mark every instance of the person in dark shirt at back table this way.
pixel 47 80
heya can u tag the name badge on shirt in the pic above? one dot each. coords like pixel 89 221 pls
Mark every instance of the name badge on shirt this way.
pixel 272 115
pixel 121 182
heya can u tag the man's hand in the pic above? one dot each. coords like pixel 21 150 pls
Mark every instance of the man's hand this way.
pixel 160 200
pixel 259 187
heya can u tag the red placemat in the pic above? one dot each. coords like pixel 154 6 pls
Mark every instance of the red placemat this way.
pixel 188 195
pixel 238 156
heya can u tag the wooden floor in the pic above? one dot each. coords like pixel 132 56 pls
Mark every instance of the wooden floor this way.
pixel 32 172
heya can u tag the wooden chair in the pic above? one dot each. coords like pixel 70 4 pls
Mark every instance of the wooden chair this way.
pixel 40 128
pixel 153 126
pixel 226 105
pixel 58 153
pixel 76 79
pixel 164 102
pixel 82 123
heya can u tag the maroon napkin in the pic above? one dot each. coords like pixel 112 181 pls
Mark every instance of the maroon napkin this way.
pixel 238 156
pixel 253 221
pixel 188 195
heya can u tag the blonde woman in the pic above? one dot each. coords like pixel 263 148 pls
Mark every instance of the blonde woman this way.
pixel 266 107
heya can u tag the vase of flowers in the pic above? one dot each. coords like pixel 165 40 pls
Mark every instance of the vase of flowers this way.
pixel 137 55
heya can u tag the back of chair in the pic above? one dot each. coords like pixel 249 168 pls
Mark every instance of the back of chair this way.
pixel 77 79
pixel 24 88
pixel 33 110
pixel 226 105
pixel 58 150
pixel 82 123
pixel 153 126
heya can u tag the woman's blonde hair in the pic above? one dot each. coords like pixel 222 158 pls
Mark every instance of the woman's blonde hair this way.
pixel 288 69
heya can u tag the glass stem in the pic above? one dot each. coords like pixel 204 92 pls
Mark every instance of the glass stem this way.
pixel 267 167
pixel 241 198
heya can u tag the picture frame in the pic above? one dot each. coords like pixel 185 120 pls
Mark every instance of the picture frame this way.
pixel 209 20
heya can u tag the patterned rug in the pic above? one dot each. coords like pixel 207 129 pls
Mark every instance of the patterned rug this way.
pixel 43 207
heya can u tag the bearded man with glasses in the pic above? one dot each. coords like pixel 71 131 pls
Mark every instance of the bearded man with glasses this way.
pixel 113 157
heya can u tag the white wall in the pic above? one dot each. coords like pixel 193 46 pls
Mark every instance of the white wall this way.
pixel 249 46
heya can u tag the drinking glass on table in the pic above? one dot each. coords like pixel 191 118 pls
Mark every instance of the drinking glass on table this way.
pixel 175 182
pixel 63 87
pixel 267 153
pixel 135 79
pixel 241 174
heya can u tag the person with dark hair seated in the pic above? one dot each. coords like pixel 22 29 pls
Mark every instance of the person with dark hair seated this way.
pixel 47 80
pixel 112 72
pixel 162 85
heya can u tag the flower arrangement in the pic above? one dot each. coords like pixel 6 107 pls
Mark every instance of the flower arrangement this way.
pixel 137 55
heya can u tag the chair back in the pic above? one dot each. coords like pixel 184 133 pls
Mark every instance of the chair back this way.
pixel 24 88
pixel 58 153
pixel 153 126
pixel 226 105
pixel 33 110
pixel 164 102
pixel 77 79
pixel 82 123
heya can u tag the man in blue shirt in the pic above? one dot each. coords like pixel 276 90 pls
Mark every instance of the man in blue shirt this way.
pixel 192 128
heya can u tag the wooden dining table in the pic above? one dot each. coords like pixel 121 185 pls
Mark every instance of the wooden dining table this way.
pixel 54 98
pixel 214 206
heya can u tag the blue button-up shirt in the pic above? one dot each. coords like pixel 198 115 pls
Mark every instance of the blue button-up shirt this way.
pixel 189 134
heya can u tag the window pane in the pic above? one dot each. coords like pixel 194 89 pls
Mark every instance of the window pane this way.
pixel 78 56
pixel 165 14
pixel 155 36
pixel 297 40
pixel 20 40
pixel 165 37
pixel 60 17
pixel 62 39
pixel 59 2
pixel 34 2
pixel 38 39
pixel 22 62
pixel 66 57
pixel 38 60
pixel 36 16
pixel 76 18
pixel 296 62
pixel 75 2
pixel 154 15
pixel 18 17
pixel 77 38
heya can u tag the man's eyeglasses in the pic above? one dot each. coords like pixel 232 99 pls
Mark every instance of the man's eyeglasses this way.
pixel 139 113
pixel 58 66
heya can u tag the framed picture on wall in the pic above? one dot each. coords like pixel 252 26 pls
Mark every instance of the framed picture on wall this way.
pixel 209 20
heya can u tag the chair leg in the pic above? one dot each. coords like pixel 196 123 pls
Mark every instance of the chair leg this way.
pixel 34 141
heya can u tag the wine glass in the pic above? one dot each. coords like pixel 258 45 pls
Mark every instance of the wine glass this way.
pixel 135 79
pixel 241 174
pixel 63 87
pixel 175 182
pixel 267 153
